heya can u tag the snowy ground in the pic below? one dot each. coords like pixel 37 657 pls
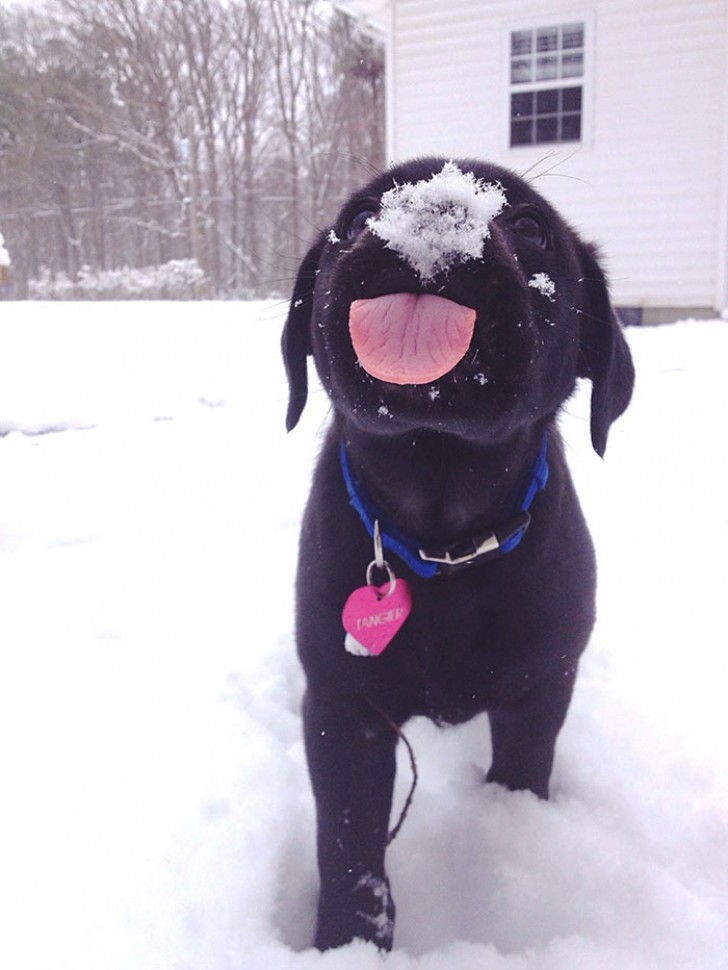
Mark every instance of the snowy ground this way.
pixel 156 810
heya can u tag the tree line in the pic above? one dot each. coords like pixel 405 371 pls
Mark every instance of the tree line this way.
pixel 138 132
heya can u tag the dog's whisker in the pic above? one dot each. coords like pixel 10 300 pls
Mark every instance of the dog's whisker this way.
pixel 368 166
pixel 539 161
pixel 564 175
pixel 560 160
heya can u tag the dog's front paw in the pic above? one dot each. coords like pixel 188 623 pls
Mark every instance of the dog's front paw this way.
pixel 364 913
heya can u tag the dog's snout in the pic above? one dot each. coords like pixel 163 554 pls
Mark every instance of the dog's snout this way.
pixel 439 222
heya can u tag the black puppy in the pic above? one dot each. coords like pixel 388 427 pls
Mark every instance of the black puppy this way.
pixel 449 312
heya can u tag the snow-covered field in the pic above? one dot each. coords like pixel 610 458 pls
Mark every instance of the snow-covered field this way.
pixel 156 813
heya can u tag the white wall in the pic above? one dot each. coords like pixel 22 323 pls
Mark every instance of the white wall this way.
pixel 649 183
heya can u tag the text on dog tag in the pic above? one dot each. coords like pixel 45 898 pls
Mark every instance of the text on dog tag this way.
pixel 372 615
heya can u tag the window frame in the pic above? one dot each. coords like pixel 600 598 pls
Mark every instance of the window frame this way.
pixel 585 81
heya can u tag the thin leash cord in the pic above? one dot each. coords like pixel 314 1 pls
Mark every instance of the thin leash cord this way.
pixel 413 764
pixel 411 794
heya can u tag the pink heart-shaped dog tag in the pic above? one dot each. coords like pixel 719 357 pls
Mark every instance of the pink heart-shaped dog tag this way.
pixel 373 614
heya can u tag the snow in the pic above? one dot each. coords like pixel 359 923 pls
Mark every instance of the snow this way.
pixel 437 222
pixel 179 279
pixel 4 254
pixel 156 809
pixel 544 284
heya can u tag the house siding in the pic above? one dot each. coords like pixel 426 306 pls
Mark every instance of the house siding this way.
pixel 648 182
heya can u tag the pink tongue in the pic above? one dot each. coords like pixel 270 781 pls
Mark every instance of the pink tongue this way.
pixel 408 339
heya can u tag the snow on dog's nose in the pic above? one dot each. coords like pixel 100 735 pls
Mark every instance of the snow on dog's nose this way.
pixel 438 222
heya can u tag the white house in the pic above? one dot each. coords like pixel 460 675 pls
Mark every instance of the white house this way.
pixel 617 109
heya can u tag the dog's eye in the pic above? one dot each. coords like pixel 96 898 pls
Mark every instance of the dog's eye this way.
pixel 532 229
pixel 359 223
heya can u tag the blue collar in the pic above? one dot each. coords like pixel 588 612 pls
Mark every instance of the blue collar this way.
pixel 432 562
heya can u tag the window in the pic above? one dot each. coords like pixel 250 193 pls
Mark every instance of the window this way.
pixel 546 84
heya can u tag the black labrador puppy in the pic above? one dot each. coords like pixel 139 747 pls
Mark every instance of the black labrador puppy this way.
pixel 445 565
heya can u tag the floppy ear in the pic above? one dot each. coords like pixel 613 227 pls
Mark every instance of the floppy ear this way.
pixel 296 342
pixel 604 355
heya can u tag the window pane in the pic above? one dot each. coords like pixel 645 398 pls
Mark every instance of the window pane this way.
pixel 521 105
pixel 571 128
pixel 521 42
pixel 547 39
pixel 547 68
pixel 572 65
pixel 547 102
pixel 547 129
pixel 572 35
pixel 521 133
pixel 571 99
pixel 521 71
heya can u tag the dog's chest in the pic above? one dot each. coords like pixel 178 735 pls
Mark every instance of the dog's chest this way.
pixel 458 654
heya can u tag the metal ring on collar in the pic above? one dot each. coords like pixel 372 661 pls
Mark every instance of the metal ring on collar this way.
pixel 390 573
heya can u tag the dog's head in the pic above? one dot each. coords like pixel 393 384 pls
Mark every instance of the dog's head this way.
pixel 451 296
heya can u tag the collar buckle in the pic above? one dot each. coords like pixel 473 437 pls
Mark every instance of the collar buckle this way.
pixel 465 552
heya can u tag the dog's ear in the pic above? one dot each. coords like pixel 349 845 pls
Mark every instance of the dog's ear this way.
pixel 604 355
pixel 296 342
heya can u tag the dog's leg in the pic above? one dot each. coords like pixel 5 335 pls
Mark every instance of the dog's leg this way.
pixel 351 759
pixel 524 736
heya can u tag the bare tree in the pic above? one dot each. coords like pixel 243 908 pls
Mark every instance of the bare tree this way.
pixel 245 137
pixel 134 132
